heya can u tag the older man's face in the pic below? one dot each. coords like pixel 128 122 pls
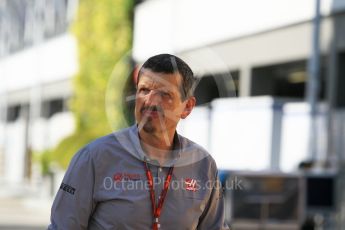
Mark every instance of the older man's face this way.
pixel 158 106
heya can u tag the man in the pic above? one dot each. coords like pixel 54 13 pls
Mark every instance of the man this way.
pixel 146 176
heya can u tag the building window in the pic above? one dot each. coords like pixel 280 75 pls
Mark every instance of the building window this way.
pixel 51 107
pixel 284 80
pixel 214 86
pixel 13 113
pixel 340 92
pixel 233 84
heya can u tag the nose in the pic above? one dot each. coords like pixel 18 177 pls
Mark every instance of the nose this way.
pixel 153 98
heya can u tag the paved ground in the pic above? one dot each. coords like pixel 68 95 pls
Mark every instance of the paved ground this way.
pixel 23 209
pixel 20 227
pixel 24 213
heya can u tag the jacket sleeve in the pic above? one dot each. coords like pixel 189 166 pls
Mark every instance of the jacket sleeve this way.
pixel 74 202
pixel 213 215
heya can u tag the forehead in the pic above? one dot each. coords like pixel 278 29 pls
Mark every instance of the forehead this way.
pixel 169 80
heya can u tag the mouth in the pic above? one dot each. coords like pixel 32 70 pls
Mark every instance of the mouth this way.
pixel 152 112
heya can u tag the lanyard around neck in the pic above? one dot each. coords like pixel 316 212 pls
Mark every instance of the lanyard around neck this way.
pixel 156 210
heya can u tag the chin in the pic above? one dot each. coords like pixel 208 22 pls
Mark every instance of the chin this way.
pixel 149 128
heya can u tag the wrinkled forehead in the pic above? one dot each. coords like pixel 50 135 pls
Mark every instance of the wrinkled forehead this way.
pixel 166 80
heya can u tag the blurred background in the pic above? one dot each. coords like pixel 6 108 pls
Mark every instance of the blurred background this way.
pixel 270 92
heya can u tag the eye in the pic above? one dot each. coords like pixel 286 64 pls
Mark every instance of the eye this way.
pixel 165 94
pixel 144 90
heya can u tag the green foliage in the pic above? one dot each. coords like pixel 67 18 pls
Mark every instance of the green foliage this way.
pixel 104 33
pixel 43 159
pixel 69 146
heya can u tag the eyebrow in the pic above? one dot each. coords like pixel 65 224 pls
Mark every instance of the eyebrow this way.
pixel 142 85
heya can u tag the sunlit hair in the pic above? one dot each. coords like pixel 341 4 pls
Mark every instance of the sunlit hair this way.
pixel 168 63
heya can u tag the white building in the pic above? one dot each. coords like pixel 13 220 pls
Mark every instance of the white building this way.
pixel 259 50
pixel 253 48
pixel 38 59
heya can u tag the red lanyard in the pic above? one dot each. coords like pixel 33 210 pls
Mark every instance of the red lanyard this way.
pixel 156 210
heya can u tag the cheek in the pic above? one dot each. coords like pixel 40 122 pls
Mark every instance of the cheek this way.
pixel 177 109
pixel 139 100
pixel 138 105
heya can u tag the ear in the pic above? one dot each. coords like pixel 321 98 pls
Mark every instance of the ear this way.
pixel 188 107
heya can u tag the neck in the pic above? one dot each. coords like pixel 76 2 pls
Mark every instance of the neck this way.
pixel 157 145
